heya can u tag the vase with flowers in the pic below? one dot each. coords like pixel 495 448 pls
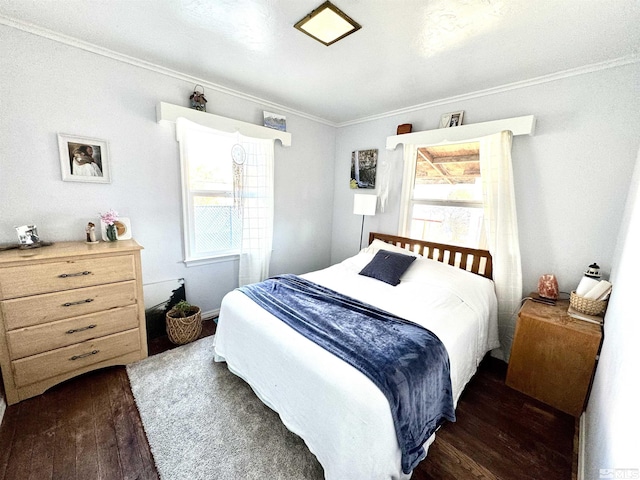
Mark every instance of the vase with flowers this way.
pixel 109 219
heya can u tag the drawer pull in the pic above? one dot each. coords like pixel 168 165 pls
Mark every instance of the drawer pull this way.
pixel 88 354
pixel 79 274
pixel 76 330
pixel 70 304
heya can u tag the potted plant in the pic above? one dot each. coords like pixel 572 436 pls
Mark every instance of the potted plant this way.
pixel 184 323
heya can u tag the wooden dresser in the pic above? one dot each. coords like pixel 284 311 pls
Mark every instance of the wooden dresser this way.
pixel 67 309
pixel 553 357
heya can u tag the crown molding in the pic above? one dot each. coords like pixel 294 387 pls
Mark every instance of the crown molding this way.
pixel 80 44
pixel 573 72
pixel 105 52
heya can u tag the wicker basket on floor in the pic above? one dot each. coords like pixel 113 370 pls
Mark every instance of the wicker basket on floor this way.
pixel 183 330
pixel 586 305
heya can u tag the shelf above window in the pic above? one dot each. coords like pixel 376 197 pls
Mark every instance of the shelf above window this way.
pixel 518 125
pixel 170 113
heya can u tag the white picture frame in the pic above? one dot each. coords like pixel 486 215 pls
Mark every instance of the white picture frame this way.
pixel 275 121
pixel 84 159
pixel 123 229
pixel 453 119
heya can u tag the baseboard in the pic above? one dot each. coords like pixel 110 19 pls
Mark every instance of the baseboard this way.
pixel 210 314
pixel 581 447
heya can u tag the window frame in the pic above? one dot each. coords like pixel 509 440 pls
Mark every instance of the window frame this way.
pixel 168 113
pixel 407 200
pixel 188 216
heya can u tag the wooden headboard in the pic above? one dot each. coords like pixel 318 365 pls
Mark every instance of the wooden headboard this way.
pixel 470 259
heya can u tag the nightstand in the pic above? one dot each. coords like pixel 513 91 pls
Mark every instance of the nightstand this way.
pixel 553 357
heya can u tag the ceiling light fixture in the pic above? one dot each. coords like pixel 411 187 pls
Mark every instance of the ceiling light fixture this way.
pixel 327 24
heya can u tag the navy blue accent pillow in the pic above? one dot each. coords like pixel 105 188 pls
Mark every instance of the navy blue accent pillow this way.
pixel 388 266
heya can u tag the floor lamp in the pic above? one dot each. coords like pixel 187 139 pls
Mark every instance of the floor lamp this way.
pixel 364 205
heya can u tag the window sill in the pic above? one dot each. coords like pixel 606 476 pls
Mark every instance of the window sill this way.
pixel 196 262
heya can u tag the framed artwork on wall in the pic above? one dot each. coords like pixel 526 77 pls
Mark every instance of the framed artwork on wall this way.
pixel 363 168
pixel 275 121
pixel 84 159
pixel 453 119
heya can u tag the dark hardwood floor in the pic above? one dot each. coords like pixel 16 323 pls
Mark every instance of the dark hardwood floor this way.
pixel 500 434
pixel 89 428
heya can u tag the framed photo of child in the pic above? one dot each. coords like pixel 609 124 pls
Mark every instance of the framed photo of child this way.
pixel 453 119
pixel 84 159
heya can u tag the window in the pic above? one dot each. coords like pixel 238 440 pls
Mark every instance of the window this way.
pixel 443 195
pixel 212 226
pixel 227 200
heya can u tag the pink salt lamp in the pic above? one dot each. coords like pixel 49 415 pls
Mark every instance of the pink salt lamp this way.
pixel 548 286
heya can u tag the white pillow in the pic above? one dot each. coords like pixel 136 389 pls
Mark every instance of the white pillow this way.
pixel 377 245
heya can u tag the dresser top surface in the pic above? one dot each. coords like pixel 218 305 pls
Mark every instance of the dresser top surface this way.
pixel 558 315
pixel 66 249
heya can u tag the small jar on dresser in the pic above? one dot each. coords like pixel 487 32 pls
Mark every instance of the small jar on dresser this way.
pixel 67 309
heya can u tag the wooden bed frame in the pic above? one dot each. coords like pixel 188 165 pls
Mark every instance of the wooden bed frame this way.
pixel 472 260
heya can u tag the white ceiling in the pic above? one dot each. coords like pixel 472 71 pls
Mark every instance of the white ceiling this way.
pixel 408 52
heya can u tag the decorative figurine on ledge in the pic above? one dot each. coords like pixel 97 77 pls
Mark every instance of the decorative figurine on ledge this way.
pixel 198 101
pixel 91 232
pixel 592 271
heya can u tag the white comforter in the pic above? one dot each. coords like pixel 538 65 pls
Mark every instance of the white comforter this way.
pixel 341 415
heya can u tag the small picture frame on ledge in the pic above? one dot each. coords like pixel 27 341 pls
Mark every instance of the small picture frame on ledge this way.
pixel 275 121
pixel 453 119
pixel 123 229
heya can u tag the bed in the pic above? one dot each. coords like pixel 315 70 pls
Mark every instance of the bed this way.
pixel 342 416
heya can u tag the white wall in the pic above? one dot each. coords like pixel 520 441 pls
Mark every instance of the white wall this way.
pixel 570 177
pixel 612 419
pixel 47 87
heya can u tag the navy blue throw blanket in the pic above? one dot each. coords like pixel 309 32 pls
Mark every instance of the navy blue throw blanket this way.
pixel 407 362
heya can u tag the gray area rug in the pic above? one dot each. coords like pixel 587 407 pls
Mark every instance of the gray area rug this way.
pixel 203 422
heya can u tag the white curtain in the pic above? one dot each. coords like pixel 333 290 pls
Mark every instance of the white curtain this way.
pixel 501 225
pixel 257 210
pixel 408 181
pixel 386 164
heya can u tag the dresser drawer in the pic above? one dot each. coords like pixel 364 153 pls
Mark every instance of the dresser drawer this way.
pixel 39 309
pixel 49 336
pixel 53 277
pixel 67 359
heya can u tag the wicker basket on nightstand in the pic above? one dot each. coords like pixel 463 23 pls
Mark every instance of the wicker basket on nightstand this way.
pixel 586 305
